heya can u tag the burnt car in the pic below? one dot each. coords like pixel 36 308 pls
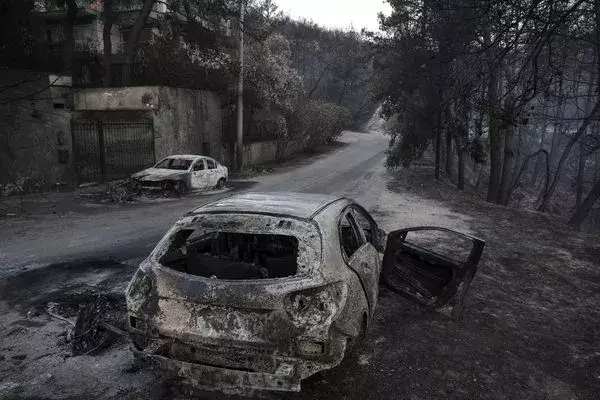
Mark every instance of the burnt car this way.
pixel 262 290
pixel 181 173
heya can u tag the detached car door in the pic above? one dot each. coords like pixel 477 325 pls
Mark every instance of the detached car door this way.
pixel 432 266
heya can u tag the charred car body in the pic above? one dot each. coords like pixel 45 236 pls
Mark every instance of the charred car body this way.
pixel 260 291
pixel 180 173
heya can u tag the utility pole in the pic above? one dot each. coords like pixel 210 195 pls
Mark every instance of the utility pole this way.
pixel 240 97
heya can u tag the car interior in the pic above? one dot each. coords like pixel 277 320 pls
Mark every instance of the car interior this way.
pixel 425 273
pixel 232 255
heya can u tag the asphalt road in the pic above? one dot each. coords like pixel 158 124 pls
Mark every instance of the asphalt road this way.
pixel 529 330
pixel 130 232
pixel 63 258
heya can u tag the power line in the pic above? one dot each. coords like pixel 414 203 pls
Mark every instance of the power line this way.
pixel 34 93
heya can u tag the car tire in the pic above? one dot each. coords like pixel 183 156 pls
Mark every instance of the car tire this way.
pixel 178 187
pixel 220 183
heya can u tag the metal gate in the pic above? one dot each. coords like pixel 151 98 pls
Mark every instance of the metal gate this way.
pixel 109 150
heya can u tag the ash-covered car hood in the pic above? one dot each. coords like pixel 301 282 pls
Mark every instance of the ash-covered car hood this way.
pixel 158 174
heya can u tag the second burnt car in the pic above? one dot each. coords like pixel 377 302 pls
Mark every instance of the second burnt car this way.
pixel 262 290
pixel 180 173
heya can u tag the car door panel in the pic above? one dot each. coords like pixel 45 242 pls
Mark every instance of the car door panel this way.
pixel 365 259
pixel 426 276
pixel 365 262
pixel 372 233
pixel 200 179
pixel 212 173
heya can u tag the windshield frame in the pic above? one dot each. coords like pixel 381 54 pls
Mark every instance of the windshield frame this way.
pixel 191 162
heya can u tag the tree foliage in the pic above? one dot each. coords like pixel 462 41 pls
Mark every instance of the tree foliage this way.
pixel 335 66
pixel 319 122
pixel 500 80
pixel 271 81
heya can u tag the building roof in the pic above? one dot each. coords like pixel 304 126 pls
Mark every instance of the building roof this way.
pixel 299 205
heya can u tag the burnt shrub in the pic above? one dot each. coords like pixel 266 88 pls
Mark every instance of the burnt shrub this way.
pixel 318 122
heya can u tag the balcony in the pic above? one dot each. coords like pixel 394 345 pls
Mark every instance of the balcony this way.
pixel 128 12
pixel 137 6
pixel 52 10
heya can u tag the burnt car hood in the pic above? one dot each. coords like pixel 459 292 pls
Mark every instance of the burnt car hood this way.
pixel 159 174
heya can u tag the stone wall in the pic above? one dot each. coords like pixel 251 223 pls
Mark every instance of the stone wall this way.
pixel 263 152
pixel 259 153
pixel 189 121
pixel 35 130
pixel 185 121
pixel 35 125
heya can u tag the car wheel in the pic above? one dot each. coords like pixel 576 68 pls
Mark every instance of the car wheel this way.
pixel 221 183
pixel 177 187
pixel 181 187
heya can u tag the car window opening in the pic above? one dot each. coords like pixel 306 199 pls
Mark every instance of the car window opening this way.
pixel 232 255
pixel 349 236
pixel 174 163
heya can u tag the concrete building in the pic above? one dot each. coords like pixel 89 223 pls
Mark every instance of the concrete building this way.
pixel 88 33
pixel 53 135
pixel 118 131
pixel 35 130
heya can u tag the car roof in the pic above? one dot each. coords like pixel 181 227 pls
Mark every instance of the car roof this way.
pixel 299 205
pixel 187 156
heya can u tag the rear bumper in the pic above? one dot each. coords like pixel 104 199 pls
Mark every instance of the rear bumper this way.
pixel 236 369
pixel 286 378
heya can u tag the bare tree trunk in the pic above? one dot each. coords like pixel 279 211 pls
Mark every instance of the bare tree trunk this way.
pixel 516 182
pixel 520 146
pixel 507 166
pixel 521 159
pixel 460 151
pixel 479 176
pixel 556 177
pixel 449 154
pixel 580 174
pixel 495 135
pixel 558 126
pixel 438 145
pixel 494 132
pixel 593 115
pixel 539 159
pixel 597 167
pixel 585 207
pixel 582 156
pixel 316 85
pixel 108 20
pixel 134 38
pixel 339 100
pixel 68 24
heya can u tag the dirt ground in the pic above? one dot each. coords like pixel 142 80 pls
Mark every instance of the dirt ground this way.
pixel 529 330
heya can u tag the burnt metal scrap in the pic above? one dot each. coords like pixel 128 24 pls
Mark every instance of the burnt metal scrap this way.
pixel 94 327
pixel 88 333
pixel 260 291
